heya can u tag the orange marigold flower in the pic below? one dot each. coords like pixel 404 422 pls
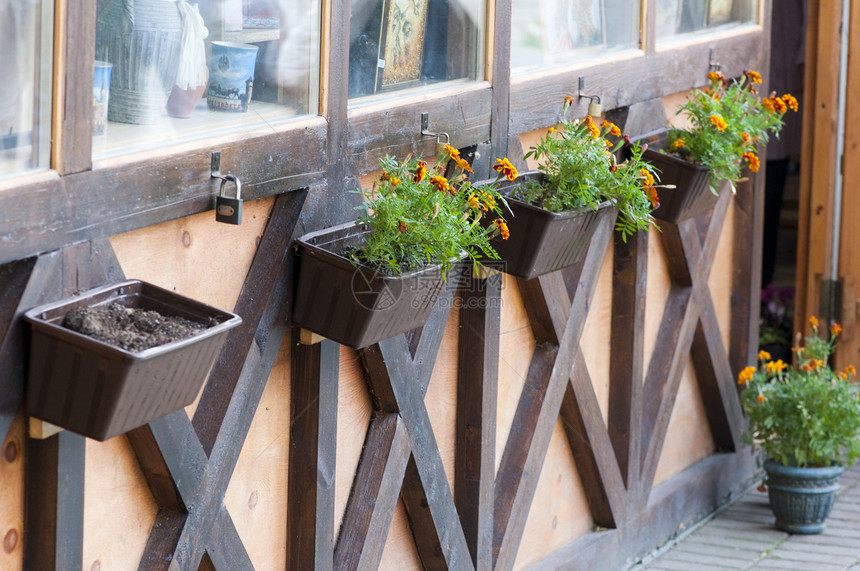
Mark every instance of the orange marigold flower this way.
pixel 752 160
pixel 850 370
pixel 678 143
pixel 745 137
pixel 760 398
pixel 647 177
pixel 488 200
pixel 764 355
pixel 842 375
pixel 384 176
pixel 715 76
pixel 775 367
pixel 420 171
pixel 505 167
pixel 589 122
pixel 813 322
pixel 652 195
pixel 719 122
pixel 395 181
pixel 755 77
pixel 835 329
pixel 503 228
pixel 613 128
pixel 746 375
pixel 768 104
pixel 441 183
pixel 779 105
pixel 551 130
pixel 817 363
pixel 451 152
pixel 474 202
pixel 463 164
pixel 568 100
pixel 402 227
pixel 792 102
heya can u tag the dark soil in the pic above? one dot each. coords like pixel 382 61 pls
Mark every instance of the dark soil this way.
pixel 132 329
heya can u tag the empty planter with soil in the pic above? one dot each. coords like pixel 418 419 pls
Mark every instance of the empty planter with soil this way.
pixel 117 357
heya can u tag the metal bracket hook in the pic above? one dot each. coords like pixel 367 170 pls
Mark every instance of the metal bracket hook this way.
pixel 594 106
pixel 713 64
pixel 425 123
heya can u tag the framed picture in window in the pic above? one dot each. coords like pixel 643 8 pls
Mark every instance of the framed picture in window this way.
pixel 401 47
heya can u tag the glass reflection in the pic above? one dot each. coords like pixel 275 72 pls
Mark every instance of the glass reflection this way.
pixel 678 17
pixel 182 71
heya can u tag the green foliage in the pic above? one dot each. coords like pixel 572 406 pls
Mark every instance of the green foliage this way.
pixel 580 164
pixel 804 413
pixel 727 124
pixel 418 217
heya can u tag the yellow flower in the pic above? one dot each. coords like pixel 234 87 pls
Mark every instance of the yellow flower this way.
pixel 451 152
pixel 746 375
pixel 551 130
pixel 488 200
pixel 503 228
pixel 775 367
pixel 719 122
pixel 678 143
pixel 613 128
pixel 474 202
pixel 592 127
pixel 767 104
pixel 420 171
pixel 764 355
pixel 715 76
pixel 835 329
pixel 813 322
pixel 792 102
pixel 755 77
pixel 505 167
pixel 395 181
pixel 463 164
pixel 753 161
pixel 760 398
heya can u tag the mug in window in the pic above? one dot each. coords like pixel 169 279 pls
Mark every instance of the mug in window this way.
pixel 231 76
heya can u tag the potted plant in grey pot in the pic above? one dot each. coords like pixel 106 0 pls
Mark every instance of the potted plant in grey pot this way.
pixel 556 209
pixel 806 419
pixel 119 356
pixel 371 279
pixel 726 123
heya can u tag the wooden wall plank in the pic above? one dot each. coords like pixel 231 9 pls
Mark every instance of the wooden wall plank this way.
pixel 477 374
pixel 313 437
pixel 54 502
pixel 14 278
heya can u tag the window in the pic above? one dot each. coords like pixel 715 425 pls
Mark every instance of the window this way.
pixel 678 17
pixel 169 71
pixel 400 44
pixel 550 33
pixel 25 92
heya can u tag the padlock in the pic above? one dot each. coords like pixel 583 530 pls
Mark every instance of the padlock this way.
pixel 440 146
pixel 595 109
pixel 229 210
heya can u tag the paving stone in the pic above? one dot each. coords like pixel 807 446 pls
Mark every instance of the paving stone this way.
pixel 729 543
pixel 661 565
pixel 784 565
pixel 791 554
pixel 814 545
pixel 707 561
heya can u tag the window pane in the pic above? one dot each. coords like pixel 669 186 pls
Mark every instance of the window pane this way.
pixel 25 92
pixel 168 71
pixel 676 17
pixel 547 33
pixel 397 45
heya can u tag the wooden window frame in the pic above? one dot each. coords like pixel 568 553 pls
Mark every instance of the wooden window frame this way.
pixel 79 200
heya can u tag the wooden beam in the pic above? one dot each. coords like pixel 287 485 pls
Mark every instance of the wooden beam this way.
pixel 313 437
pixel 374 495
pixel 626 365
pixel 475 439
pixel 54 502
pixel 265 293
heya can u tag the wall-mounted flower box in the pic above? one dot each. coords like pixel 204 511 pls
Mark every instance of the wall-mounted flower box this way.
pixel 544 241
pixel 692 194
pixel 356 305
pixel 100 390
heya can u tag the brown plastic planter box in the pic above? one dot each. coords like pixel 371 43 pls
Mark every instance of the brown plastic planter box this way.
pixel 542 241
pixel 692 194
pixel 355 305
pixel 99 390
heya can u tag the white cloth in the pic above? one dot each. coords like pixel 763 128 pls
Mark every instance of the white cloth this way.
pixel 192 51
